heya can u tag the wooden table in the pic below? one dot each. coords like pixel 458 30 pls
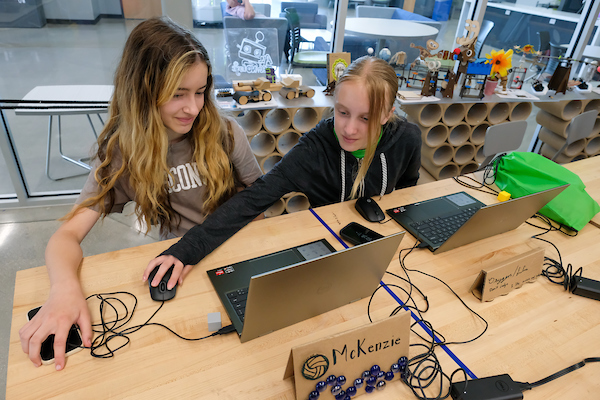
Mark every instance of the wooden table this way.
pixel 533 332
pixel 382 29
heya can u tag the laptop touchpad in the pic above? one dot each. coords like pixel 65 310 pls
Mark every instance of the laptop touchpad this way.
pixel 461 199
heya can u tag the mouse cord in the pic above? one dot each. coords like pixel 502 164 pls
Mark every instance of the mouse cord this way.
pixel 110 328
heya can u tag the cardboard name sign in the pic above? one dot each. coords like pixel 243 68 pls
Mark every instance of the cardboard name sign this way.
pixel 508 275
pixel 349 353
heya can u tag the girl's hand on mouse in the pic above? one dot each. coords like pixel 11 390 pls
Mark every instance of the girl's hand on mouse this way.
pixel 163 263
pixel 65 306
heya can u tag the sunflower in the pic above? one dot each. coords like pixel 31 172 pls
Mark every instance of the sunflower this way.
pixel 501 62
pixel 528 48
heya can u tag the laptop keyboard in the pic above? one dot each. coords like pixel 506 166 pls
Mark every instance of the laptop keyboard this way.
pixel 237 298
pixel 438 229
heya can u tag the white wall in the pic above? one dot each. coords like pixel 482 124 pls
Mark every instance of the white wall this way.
pixel 110 7
pixel 71 9
pixel 82 10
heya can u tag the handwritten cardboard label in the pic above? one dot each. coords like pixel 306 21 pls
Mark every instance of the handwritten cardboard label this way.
pixel 508 275
pixel 349 353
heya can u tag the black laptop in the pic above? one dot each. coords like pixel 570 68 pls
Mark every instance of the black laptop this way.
pixel 451 221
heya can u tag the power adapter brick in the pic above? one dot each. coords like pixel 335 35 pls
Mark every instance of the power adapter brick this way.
pixel 499 387
pixel 586 287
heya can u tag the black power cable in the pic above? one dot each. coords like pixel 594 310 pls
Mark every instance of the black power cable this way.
pixel 111 328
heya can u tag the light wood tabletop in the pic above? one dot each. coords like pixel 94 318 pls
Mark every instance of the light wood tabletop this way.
pixel 533 331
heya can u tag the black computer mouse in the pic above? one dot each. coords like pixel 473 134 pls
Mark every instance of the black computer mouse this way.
pixel 368 209
pixel 160 292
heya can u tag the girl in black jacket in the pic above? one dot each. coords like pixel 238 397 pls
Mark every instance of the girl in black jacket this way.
pixel 364 150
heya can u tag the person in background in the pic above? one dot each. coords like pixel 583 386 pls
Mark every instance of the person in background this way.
pixel 364 150
pixel 165 147
pixel 240 8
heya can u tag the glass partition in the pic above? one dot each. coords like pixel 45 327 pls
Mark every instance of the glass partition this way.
pixel 80 44
pixel 7 190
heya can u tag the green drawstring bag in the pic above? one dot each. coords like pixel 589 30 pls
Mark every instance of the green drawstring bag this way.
pixel 521 174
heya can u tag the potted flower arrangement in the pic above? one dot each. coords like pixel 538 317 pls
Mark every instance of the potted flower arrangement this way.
pixel 501 64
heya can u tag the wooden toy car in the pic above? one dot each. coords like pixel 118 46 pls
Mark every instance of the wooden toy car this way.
pixel 243 97
pixel 293 93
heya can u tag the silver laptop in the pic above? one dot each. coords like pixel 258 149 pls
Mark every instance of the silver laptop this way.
pixel 321 280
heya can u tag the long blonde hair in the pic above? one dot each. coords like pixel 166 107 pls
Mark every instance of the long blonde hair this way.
pixel 157 54
pixel 381 82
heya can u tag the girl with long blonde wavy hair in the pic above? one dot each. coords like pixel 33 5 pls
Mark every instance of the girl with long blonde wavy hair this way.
pixel 165 147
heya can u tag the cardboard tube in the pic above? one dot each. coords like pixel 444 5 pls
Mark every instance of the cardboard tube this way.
pixel 276 120
pixel 479 157
pixel 424 114
pixel 435 135
pixel 464 154
pixel 549 152
pixel 269 161
pixel 438 156
pixel 262 144
pixel 478 133
pixel 497 112
pixel 276 209
pixel 469 167
pixel 476 113
pixel 304 119
pixel 566 109
pixel 580 156
pixel 459 134
pixel 592 146
pixel 287 140
pixel 444 171
pixel 288 195
pixel 250 121
pixel 453 114
pixel 297 202
pixel 593 104
pixel 520 111
pixel 552 123
pixel 557 142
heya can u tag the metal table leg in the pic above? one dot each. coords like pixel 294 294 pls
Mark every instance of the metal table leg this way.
pixel 81 162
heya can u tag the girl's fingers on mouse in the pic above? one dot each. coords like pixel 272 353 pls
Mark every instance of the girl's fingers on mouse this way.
pixel 151 265
pixel 177 269
pixel 162 270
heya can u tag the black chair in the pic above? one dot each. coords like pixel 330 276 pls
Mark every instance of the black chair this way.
pixel 556 50
pixel 484 31
pixel 304 59
pixel 544 42
pixel 538 63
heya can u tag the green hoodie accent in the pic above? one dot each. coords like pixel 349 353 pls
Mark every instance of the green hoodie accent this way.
pixel 361 152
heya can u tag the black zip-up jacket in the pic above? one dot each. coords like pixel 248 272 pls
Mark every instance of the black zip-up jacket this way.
pixel 318 167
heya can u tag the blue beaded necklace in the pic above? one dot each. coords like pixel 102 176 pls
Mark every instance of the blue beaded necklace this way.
pixel 372 379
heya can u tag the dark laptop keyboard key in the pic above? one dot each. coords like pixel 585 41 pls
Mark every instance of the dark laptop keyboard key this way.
pixel 438 229
pixel 238 298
